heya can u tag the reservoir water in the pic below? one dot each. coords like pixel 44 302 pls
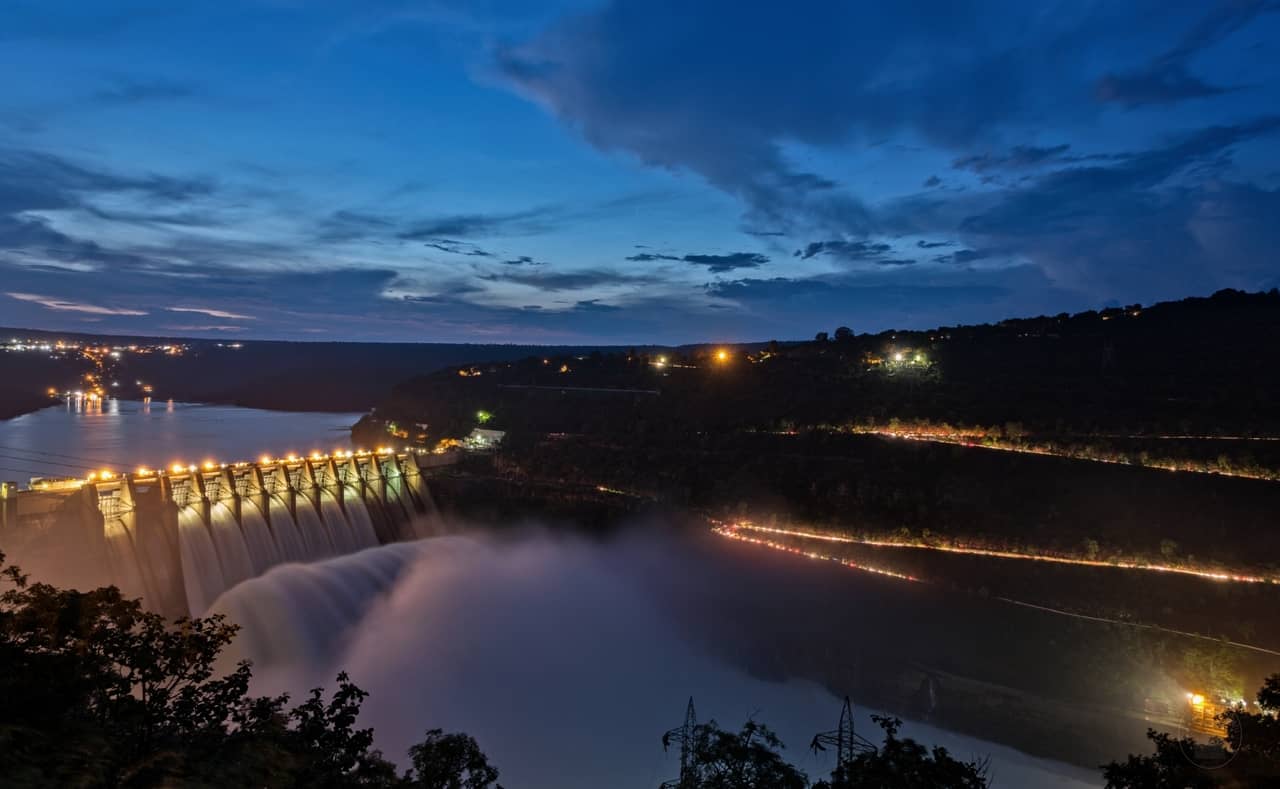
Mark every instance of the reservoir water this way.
pixel 66 441
pixel 566 657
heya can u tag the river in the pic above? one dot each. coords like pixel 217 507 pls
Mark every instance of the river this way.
pixel 566 657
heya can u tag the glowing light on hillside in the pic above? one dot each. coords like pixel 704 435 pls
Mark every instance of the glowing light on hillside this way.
pixel 1211 575
pixel 732 533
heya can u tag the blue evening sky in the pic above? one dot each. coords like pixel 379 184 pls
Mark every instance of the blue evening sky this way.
pixel 627 171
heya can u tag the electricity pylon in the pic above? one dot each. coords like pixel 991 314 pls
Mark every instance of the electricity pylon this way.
pixel 684 735
pixel 847 743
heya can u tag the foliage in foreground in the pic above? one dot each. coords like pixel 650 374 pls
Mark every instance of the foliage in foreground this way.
pixel 752 759
pixel 98 692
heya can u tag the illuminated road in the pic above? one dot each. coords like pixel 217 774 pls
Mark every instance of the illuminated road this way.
pixel 734 531
pixel 1212 575
pixel 976 442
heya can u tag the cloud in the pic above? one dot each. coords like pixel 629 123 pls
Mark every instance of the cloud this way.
pixel 37 181
pixel 1127 230
pixel 825 75
pixel 528 222
pixel 716 264
pixel 353 225
pixel 568 280
pixel 523 260
pixel 875 252
pixel 62 305
pixel 649 257
pixel 212 313
pixel 1019 157
pixel 1167 78
pixel 129 91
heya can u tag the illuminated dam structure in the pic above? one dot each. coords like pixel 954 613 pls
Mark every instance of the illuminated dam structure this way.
pixel 180 538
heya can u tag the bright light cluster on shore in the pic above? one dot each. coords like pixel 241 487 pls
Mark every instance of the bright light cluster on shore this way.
pixel 1212 575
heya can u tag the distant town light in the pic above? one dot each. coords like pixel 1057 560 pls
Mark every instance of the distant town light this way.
pixel 897 357
pixel 722 355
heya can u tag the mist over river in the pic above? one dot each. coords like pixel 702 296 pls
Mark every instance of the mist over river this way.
pixel 562 656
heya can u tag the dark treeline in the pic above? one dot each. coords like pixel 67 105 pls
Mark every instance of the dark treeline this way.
pixel 25 379
pixel 294 376
pixel 1198 365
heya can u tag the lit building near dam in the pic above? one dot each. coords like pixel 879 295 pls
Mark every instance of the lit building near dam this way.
pixel 179 538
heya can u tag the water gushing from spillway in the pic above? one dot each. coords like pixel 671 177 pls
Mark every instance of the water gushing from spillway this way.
pixel 201 568
pixel 263 547
pixel 229 541
pixel 288 540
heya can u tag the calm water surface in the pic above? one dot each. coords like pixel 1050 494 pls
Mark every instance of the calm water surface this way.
pixel 125 434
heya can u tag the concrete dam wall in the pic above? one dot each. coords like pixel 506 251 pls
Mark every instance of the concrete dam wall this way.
pixel 180 538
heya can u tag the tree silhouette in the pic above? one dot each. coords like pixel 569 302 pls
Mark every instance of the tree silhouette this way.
pixel 99 692
pixel 747 759
pixel 903 763
pixel 451 761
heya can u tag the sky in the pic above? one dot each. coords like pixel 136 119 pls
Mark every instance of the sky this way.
pixel 627 171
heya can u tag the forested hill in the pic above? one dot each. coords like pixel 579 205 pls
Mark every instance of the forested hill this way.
pixel 1200 365
pixel 298 376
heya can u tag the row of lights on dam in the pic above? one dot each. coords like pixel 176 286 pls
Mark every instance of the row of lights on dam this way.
pixel 265 460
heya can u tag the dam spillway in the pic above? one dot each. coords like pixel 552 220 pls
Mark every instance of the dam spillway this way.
pixel 179 538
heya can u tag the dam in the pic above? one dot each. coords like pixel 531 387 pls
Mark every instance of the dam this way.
pixel 178 538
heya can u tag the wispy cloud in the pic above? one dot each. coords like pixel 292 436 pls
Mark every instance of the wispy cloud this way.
pixel 716 264
pixel 131 91
pixel 213 313
pixel 62 305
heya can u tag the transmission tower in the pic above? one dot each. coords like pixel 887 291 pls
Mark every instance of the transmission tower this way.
pixel 684 735
pixel 846 742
